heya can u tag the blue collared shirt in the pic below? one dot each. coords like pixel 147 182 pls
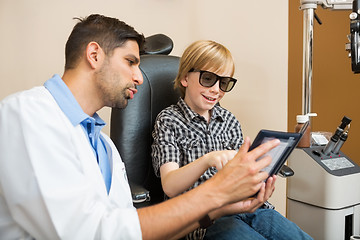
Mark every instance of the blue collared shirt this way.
pixel 91 125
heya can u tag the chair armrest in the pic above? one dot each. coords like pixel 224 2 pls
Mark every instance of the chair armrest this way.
pixel 139 193
pixel 286 171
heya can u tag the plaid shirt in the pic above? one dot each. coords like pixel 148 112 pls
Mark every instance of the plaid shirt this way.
pixel 182 136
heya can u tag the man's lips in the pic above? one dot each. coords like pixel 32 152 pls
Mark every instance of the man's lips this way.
pixel 132 92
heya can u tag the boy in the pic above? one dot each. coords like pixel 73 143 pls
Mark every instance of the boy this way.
pixel 196 137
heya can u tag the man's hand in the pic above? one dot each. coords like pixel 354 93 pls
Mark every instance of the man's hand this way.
pixel 242 176
pixel 270 187
pixel 248 205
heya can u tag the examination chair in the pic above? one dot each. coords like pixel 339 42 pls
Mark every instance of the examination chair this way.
pixel 131 128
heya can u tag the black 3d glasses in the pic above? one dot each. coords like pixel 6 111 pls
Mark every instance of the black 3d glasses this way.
pixel 208 79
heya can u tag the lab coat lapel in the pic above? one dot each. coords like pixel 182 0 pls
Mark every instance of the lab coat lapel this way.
pixel 90 166
pixel 119 185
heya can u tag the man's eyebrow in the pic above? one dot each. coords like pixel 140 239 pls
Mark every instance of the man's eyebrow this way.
pixel 135 58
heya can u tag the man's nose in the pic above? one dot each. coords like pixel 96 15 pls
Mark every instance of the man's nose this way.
pixel 138 77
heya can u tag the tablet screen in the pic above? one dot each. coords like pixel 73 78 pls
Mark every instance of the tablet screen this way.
pixel 280 153
pixel 277 152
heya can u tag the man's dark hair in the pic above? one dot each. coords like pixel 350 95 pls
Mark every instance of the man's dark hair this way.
pixel 108 32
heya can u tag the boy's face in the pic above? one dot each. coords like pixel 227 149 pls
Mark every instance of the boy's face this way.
pixel 199 98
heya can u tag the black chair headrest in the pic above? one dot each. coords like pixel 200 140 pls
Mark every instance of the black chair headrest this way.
pixel 157 44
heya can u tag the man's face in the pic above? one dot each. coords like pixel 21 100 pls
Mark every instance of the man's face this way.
pixel 119 75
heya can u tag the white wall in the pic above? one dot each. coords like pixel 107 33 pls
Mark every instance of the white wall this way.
pixel 33 35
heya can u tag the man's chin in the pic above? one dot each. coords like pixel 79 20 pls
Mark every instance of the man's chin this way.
pixel 121 105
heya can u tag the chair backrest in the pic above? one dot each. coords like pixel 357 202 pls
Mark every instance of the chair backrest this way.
pixel 131 128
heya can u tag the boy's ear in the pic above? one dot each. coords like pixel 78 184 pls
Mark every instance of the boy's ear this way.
pixel 184 81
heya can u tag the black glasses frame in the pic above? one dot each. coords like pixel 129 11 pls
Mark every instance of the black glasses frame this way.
pixel 227 80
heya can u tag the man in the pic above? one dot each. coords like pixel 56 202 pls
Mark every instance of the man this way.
pixel 61 178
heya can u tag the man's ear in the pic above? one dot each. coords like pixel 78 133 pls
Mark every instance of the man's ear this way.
pixel 184 81
pixel 94 54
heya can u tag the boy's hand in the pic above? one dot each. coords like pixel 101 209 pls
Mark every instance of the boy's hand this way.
pixel 219 159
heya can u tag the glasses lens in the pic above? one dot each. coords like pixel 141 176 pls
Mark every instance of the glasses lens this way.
pixel 207 79
pixel 224 83
pixel 227 83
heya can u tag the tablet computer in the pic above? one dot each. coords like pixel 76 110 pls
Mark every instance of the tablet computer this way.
pixel 280 153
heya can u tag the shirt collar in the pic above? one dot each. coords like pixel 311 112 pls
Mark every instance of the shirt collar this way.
pixel 218 113
pixel 67 102
pixel 190 114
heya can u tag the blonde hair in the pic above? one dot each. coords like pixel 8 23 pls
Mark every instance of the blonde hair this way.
pixel 200 55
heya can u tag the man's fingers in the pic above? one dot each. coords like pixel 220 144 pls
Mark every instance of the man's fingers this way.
pixel 270 186
pixel 263 163
pixel 245 147
pixel 264 148
pixel 259 151
pixel 245 171
pixel 261 193
pixel 262 176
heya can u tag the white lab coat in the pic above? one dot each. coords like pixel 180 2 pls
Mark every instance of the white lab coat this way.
pixel 50 183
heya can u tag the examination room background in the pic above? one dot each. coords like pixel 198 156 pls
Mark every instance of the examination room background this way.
pixel 335 89
pixel 33 36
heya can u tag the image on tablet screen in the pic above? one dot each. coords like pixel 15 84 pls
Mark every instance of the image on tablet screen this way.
pixel 276 152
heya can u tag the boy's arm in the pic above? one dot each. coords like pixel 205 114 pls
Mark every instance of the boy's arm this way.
pixel 240 178
pixel 177 180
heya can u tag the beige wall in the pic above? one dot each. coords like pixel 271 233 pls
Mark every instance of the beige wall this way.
pixel 33 35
